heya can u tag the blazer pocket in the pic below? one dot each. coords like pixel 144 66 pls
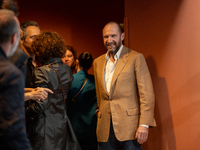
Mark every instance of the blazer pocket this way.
pixel 131 112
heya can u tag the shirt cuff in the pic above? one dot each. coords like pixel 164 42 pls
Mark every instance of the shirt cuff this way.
pixel 144 125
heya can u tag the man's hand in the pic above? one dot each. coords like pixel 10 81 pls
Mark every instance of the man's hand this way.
pixel 38 93
pixel 142 134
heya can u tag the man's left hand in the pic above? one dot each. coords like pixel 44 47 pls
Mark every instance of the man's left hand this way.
pixel 142 134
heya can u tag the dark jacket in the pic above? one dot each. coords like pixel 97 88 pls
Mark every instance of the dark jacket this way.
pixel 19 58
pixel 12 128
pixel 29 80
pixel 49 123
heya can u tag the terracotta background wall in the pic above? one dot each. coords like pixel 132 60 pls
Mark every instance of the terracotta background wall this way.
pixel 167 32
pixel 79 22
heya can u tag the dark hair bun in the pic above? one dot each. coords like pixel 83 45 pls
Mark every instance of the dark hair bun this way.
pixel 85 60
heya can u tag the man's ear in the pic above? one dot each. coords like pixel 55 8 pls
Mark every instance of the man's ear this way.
pixel 21 35
pixel 122 36
pixel 14 38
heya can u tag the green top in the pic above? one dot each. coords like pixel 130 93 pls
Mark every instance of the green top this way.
pixel 82 112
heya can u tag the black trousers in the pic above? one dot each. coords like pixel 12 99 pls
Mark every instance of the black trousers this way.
pixel 114 144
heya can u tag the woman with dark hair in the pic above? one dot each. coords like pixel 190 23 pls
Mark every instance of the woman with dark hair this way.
pixel 49 116
pixel 81 104
pixel 70 58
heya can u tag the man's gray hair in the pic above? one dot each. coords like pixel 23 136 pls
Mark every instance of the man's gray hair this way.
pixel 8 25
pixel 25 25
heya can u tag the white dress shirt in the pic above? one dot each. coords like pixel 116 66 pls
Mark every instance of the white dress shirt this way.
pixel 110 68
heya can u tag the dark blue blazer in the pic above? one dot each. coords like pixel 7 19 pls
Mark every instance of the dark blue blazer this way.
pixel 12 128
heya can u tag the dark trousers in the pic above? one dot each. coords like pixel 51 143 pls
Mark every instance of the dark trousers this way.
pixel 114 144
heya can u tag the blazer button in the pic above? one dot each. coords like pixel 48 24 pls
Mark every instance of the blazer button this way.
pixel 109 112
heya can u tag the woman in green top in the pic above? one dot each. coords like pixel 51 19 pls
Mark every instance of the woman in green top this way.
pixel 81 111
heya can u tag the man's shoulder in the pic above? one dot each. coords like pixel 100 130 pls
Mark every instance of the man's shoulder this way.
pixel 130 52
pixel 6 65
pixel 9 72
pixel 100 57
pixel 18 57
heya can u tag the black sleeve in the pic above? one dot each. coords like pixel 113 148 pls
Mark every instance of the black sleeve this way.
pixel 12 123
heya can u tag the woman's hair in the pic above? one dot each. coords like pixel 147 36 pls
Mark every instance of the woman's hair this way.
pixel 71 49
pixel 48 45
pixel 85 60
pixel 10 5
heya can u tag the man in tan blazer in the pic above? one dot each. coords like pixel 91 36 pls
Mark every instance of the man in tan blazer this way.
pixel 124 94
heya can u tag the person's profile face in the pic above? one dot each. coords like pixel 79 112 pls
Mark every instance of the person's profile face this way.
pixel 15 45
pixel 68 58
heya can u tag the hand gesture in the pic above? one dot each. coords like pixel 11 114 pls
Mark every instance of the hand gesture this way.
pixel 38 94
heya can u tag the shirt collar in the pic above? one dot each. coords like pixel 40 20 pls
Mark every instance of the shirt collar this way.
pixel 116 56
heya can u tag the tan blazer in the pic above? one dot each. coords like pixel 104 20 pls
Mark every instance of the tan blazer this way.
pixel 131 98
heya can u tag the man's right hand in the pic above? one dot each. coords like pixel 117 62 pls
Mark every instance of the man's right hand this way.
pixel 38 93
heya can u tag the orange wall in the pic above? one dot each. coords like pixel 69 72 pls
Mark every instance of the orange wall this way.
pixel 167 32
pixel 79 22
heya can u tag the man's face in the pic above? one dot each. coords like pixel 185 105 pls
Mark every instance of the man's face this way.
pixel 33 31
pixel 112 37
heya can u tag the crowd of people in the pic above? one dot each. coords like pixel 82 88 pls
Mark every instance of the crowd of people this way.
pixel 45 88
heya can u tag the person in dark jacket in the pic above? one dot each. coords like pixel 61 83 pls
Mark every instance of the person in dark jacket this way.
pixel 81 111
pixel 12 128
pixel 19 58
pixel 49 116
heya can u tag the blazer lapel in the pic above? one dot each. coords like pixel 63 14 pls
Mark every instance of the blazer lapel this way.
pixel 119 66
pixel 101 73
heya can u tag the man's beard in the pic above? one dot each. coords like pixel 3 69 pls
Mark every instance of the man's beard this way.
pixel 116 49
pixel 14 48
